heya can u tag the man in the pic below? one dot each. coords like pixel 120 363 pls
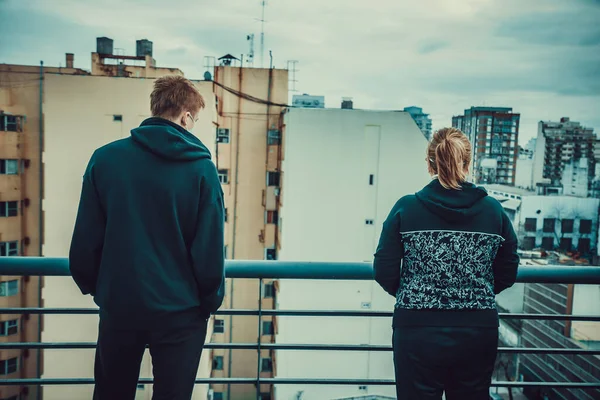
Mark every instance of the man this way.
pixel 148 245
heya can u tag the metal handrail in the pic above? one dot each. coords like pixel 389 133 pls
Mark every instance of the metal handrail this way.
pixel 46 266
pixel 41 266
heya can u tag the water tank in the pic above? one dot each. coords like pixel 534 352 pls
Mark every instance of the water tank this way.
pixel 143 48
pixel 347 103
pixel 104 45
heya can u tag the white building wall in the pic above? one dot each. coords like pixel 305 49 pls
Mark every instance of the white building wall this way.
pixel 524 174
pixel 327 200
pixel 78 118
pixel 575 178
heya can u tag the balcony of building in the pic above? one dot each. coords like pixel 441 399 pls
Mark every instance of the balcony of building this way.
pixel 573 385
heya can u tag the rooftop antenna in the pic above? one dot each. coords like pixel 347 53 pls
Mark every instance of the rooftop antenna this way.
pixel 262 35
pixel 291 66
pixel 250 61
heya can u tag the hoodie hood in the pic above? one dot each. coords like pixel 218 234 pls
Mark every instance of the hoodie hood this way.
pixel 452 205
pixel 169 140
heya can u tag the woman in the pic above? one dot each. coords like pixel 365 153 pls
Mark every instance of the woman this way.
pixel 444 253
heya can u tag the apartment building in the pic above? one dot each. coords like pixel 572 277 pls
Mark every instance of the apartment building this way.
pixel 361 162
pixel 21 214
pixel 422 120
pixel 249 153
pixel 74 123
pixel 566 156
pixel 494 134
pixel 561 299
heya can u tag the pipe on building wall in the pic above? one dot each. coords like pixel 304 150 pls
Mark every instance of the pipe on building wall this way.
pixel 235 204
pixel 41 220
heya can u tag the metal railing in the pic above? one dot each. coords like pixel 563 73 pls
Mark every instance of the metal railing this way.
pixel 268 270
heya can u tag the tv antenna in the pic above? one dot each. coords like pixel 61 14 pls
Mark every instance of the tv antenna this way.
pixel 291 67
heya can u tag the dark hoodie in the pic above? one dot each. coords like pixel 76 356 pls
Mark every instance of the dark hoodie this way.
pixel 444 254
pixel 148 240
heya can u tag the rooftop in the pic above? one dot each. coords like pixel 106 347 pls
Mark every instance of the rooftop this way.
pixel 508 189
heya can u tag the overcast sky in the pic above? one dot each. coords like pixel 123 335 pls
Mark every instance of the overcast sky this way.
pixel 541 57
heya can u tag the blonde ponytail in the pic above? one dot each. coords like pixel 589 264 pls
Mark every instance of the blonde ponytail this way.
pixel 449 156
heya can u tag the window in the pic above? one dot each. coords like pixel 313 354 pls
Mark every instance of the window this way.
pixel 9 249
pixel 117 118
pixel 9 167
pixel 584 245
pixel 224 176
pixel 585 226
pixel 8 328
pixel 10 366
pixel 371 179
pixel 549 224
pixel 369 221
pixel 9 208
pixel 218 363
pixel 272 178
pixel 567 226
pixel 271 217
pixel 141 386
pixel 265 396
pixel 222 135
pixel 267 327
pixel 268 290
pixel 548 243
pixel 274 137
pixel 9 288
pixel 217 395
pixel 566 244
pixel 10 123
pixel 270 254
pixel 529 243
pixel 225 251
pixel 266 365
pixel 219 326
pixel 530 224
pixel 225 214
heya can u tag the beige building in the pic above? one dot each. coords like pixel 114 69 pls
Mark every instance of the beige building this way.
pixel 74 124
pixel 241 125
pixel 249 154
pixel 21 216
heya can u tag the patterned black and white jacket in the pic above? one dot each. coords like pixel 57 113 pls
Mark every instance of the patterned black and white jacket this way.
pixel 445 254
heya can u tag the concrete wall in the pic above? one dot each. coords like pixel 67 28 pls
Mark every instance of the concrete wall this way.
pixel 79 114
pixel 329 157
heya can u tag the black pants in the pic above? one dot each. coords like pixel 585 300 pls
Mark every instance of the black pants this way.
pixel 431 360
pixel 175 359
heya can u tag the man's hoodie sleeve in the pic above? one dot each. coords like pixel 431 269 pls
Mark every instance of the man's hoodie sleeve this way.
pixel 207 249
pixel 389 254
pixel 88 236
pixel 506 262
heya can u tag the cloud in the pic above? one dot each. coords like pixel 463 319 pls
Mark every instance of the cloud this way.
pixel 541 57
pixel 432 46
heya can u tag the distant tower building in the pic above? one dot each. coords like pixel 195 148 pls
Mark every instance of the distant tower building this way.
pixel 494 133
pixel 566 157
pixel 422 120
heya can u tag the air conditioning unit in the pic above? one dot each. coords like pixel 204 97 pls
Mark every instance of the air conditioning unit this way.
pixel 276 191
pixel 210 395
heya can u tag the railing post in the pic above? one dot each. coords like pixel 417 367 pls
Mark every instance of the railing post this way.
pixel 258 364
